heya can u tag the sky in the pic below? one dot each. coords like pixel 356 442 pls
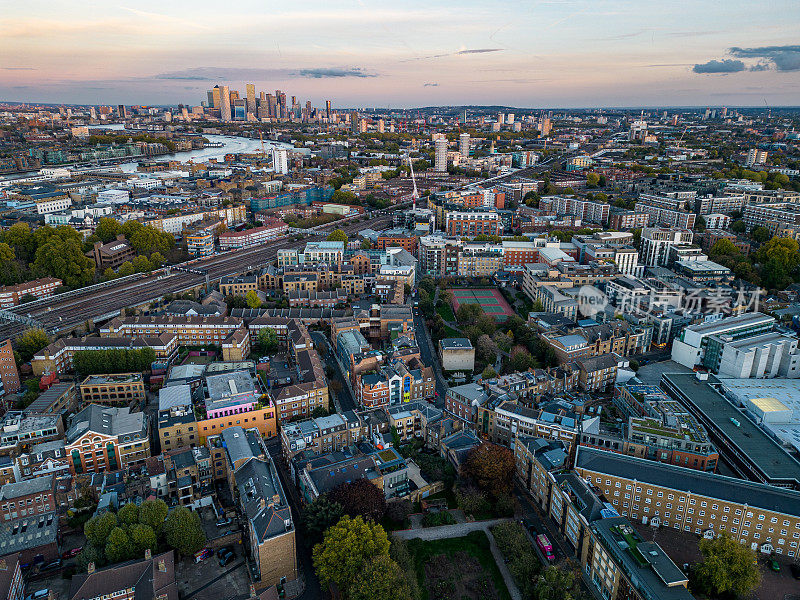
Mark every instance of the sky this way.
pixel 368 53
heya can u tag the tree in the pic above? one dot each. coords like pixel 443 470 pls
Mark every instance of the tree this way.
pixel 126 269
pixel 118 546
pixel 157 259
pixel 337 235
pixel 148 240
pixel 267 340
pixel 63 258
pixel 360 498
pixel 738 226
pixel 98 528
pixel 109 274
pixel 252 299
pixel 107 229
pixel 491 467
pixel 142 538
pixel 521 359
pixel 346 549
pixel 760 234
pixel 380 578
pixel 128 514
pixel 489 373
pixel 153 513
pixel 723 247
pixel 537 306
pixel 30 342
pixel 592 180
pixel 728 568
pixel 554 584
pixel 486 349
pixel 700 224
pixel 183 531
pixel 141 264
pixel 318 516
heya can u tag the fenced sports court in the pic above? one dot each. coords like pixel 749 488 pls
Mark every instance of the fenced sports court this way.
pixel 490 299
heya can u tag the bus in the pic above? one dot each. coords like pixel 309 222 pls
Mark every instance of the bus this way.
pixel 544 545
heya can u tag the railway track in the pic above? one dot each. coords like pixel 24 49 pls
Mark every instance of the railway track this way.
pixel 61 315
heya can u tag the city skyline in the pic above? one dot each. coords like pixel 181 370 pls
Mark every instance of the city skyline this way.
pixel 550 54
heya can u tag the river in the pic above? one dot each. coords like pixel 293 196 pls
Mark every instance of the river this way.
pixel 232 145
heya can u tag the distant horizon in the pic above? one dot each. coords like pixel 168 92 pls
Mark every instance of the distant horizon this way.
pixel 553 53
pixel 439 106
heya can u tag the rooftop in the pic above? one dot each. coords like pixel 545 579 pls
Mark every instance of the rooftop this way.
pixel 693 481
pixel 738 431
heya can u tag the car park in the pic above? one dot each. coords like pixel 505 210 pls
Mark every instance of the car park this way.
pixel 38 595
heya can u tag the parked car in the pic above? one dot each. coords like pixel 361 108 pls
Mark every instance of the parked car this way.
pixel 773 565
pixel 72 553
pixel 51 566
pixel 38 595
pixel 224 522
pixel 224 550
pixel 226 558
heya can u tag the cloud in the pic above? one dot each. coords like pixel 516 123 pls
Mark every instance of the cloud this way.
pixel 783 58
pixel 328 72
pixel 243 74
pixel 457 53
pixel 724 66
pixel 18 69
pixel 479 51
pixel 430 85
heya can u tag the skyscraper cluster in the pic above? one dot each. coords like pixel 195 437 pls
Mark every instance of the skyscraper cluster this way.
pixel 228 105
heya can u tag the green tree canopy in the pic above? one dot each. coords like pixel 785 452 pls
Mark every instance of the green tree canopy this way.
pixel 380 578
pixel 153 513
pixel 346 549
pixel 142 538
pixel 126 269
pixel 118 546
pixel 728 568
pixel 252 299
pixel 30 342
pixel 62 257
pixel 107 229
pixel 183 531
pixel 318 516
pixel 337 235
pixel 98 528
pixel 267 340
pixel 760 234
pixel 128 514
pixel 738 226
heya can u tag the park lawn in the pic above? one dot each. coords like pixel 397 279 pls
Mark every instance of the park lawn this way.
pixel 452 332
pixel 446 312
pixel 475 543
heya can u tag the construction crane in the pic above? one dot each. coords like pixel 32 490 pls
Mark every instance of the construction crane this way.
pixel 685 129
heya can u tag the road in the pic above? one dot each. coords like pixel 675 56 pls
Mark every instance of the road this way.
pixel 313 590
pixel 430 357
pixel 64 313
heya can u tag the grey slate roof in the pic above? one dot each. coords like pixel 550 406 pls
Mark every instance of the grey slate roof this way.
pixel 760 495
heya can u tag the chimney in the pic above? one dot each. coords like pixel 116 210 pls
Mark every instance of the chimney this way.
pixel 148 554
pixel 91 568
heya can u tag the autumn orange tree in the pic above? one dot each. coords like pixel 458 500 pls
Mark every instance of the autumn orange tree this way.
pixel 491 467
